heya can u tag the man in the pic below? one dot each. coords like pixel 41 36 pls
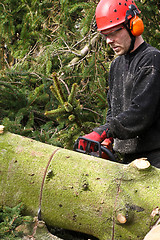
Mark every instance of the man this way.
pixel 133 116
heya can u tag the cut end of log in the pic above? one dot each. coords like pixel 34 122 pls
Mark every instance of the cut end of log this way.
pixel 121 218
pixel 1 129
pixel 154 233
pixel 141 163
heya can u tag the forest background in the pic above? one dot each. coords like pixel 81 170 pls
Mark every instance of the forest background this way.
pixel 54 67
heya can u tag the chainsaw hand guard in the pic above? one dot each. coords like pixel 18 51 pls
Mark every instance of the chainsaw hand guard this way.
pixel 93 145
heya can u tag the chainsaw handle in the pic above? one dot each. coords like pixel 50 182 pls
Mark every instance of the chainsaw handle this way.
pixel 87 150
pixel 109 153
pixel 98 146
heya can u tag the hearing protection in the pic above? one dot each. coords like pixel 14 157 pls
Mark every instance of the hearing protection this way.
pixel 111 13
pixel 136 26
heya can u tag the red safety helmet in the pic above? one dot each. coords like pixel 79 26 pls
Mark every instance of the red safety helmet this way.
pixel 110 13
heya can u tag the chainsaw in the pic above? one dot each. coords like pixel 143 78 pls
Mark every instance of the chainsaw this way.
pixel 100 150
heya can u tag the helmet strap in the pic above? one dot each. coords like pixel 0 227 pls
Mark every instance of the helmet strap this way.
pixel 133 38
pixel 133 11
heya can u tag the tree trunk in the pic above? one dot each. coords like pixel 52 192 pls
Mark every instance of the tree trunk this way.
pixel 79 192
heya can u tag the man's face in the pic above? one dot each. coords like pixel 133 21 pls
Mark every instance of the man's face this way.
pixel 118 38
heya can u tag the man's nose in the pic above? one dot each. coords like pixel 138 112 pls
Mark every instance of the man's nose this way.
pixel 109 40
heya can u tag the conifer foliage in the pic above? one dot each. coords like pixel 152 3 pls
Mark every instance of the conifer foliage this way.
pixel 54 67
pixel 10 219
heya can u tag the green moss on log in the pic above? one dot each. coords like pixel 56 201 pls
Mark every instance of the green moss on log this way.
pixel 81 193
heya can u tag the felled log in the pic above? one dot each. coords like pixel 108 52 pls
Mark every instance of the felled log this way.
pixel 78 192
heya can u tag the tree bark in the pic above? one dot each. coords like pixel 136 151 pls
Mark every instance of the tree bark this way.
pixel 108 200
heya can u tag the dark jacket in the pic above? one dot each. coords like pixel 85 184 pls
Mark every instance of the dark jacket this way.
pixel 133 117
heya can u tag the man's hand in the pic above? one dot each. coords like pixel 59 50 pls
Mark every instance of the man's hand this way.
pixel 108 143
pixel 92 136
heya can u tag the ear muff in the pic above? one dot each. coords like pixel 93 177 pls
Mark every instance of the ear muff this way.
pixel 136 26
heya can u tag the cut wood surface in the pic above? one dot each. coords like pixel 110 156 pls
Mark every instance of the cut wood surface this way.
pixel 108 200
pixel 154 233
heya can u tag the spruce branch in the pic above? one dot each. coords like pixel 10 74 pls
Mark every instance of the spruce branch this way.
pixel 55 112
pixel 58 88
pixel 68 107
pixel 72 94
